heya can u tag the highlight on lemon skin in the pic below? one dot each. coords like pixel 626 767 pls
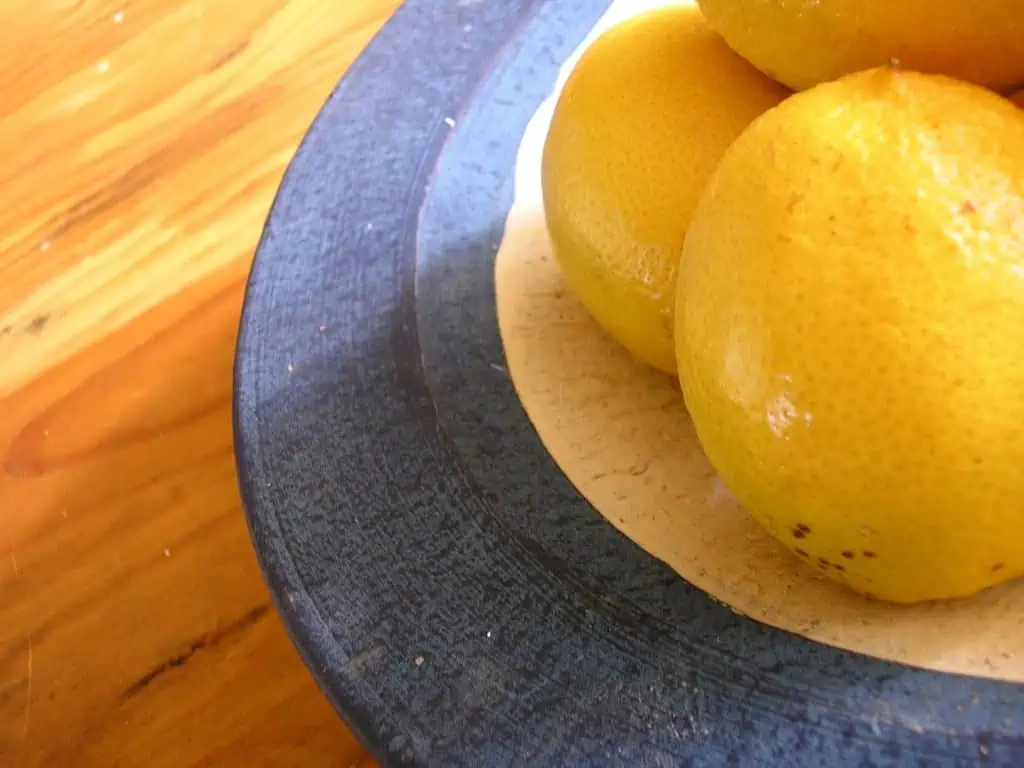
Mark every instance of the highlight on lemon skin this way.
pixel 805 43
pixel 636 132
pixel 849 326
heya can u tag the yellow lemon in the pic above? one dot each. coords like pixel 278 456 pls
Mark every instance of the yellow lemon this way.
pixel 805 42
pixel 637 130
pixel 850 327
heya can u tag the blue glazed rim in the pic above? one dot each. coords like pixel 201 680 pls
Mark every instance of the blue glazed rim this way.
pixel 455 598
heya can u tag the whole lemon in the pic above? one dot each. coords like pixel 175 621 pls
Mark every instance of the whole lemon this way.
pixel 637 130
pixel 850 327
pixel 805 42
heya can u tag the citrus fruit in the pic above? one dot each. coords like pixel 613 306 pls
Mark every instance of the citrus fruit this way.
pixel 849 327
pixel 805 42
pixel 640 124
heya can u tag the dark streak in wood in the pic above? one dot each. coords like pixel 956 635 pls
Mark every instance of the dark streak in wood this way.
pixel 211 640
pixel 103 591
pixel 194 141
pixel 38 323
pixel 229 55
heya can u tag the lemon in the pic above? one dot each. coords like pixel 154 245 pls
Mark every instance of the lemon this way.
pixel 643 119
pixel 805 42
pixel 850 320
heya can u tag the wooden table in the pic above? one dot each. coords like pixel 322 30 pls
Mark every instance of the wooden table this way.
pixel 142 142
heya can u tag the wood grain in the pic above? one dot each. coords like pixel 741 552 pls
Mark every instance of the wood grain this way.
pixel 142 144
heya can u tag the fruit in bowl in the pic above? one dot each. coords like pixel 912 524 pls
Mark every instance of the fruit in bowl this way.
pixel 637 130
pixel 836 275
pixel 806 42
pixel 849 327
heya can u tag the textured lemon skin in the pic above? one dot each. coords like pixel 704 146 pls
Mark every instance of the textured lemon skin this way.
pixel 850 331
pixel 805 42
pixel 636 132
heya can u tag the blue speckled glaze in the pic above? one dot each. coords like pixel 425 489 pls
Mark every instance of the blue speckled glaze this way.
pixel 456 598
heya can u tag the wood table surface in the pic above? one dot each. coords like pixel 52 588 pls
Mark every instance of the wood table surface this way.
pixel 142 142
